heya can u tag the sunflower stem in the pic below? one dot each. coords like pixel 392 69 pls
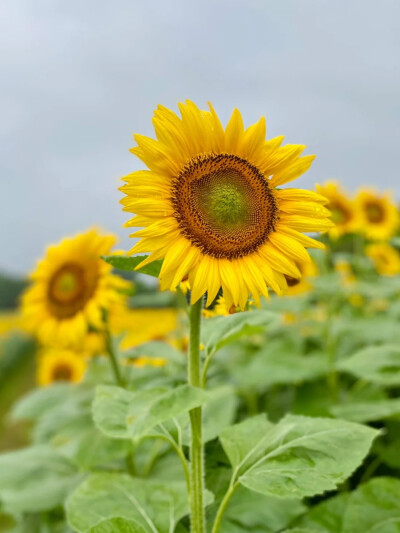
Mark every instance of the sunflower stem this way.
pixel 113 358
pixel 196 444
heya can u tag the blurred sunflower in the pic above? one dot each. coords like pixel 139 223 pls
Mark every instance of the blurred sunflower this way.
pixel 385 258
pixel 302 284
pixel 220 309
pixel 11 321
pixel 143 325
pixel 145 361
pixel 60 365
pixel 344 214
pixel 71 289
pixel 211 208
pixel 380 216
pixel 345 271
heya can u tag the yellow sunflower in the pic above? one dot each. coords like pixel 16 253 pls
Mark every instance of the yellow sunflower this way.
pixel 60 365
pixel 385 258
pixel 380 216
pixel 71 288
pixel 344 214
pixel 143 325
pixel 302 284
pixel 211 206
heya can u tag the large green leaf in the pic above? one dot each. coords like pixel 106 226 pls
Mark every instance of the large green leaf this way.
pixel 367 411
pixel 269 367
pixel 373 508
pixel 298 457
pixel 117 525
pixel 110 410
pixel 152 506
pixel 376 364
pixel 244 443
pixel 35 479
pixel 257 513
pixel 123 262
pixel 165 407
pixel 132 415
pixel 36 403
pixel 221 330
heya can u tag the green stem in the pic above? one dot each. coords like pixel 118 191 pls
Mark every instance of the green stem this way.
pixel 223 506
pixel 196 443
pixel 206 365
pixel 114 359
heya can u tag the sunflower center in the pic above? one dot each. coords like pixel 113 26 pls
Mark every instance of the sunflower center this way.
pixel 340 215
pixel 374 212
pixel 62 372
pixel 68 291
pixel 292 282
pixel 224 205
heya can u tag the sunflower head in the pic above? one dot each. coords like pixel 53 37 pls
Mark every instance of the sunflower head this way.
pixel 71 288
pixel 211 208
pixel 385 258
pixel 380 215
pixel 308 270
pixel 138 326
pixel 345 217
pixel 60 366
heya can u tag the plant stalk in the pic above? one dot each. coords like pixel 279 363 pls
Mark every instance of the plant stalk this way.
pixel 197 516
pixel 114 359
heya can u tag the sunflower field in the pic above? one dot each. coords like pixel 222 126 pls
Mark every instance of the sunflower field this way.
pixel 237 370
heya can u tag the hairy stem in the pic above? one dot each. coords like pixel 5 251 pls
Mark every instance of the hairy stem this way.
pixel 196 443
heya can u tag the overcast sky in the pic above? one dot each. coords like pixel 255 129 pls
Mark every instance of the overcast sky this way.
pixel 77 78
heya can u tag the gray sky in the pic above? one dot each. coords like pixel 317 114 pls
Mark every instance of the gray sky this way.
pixel 77 78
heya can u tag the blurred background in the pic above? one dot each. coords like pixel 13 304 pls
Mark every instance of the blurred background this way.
pixel 78 78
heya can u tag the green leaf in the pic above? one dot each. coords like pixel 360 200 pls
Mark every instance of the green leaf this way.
pixel 153 506
pixel 297 457
pixel 36 403
pixel 300 530
pixel 130 263
pixel 373 508
pixel 269 367
pixel 376 364
pixel 167 406
pixel 117 525
pixel 367 411
pixel 35 479
pixel 156 349
pixel 244 442
pixel 110 410
pixel 257 513
pixel 327 516
pixel 221 330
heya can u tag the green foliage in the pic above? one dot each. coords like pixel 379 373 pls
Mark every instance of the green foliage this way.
pixel 122 262
pixel 150 505
pixel 35 479
pixel 374 507
pixel 297 457
pixel 376 364
pixel 222 330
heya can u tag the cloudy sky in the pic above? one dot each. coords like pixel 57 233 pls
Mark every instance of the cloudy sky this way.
pixel 78 78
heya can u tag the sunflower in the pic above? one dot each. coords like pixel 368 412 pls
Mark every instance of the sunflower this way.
pixel 385 258
pixel 344 214
pixel 302 284
pixel 60 365
pixel 380 216
pixel 143 325
pixel 71 289
pixel 210 206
